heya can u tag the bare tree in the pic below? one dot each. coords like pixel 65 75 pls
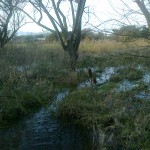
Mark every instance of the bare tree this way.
pixel 11 20
pixel 144 6
pixel 67 26
pixel 130 13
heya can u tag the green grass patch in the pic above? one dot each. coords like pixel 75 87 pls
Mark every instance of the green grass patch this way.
pixel 112 113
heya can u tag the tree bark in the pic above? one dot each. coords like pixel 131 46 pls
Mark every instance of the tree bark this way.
pixel 72 46
pixel 72 50
pixel 145 11
pixel 2 43
pixel 73 53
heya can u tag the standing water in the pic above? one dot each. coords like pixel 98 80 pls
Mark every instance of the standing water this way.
pixel 100 77
pixel 41 131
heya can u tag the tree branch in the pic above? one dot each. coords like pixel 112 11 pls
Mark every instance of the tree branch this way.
pixel 63 16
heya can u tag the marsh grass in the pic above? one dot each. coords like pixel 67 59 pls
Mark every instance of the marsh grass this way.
pixel 30 75
pixel 115 115
pixel 104 46
pixel 19 96
pixel 129 73
pixel 118 117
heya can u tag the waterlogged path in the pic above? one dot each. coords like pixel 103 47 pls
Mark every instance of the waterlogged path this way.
pixel 41 131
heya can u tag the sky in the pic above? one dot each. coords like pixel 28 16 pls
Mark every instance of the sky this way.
pixel 102 11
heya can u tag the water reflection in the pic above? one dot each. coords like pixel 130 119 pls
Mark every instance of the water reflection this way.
pixel 41 131
pixel 100 77
pixel 59 97
pixel 125 85
pixel 143 95
pixel 146 78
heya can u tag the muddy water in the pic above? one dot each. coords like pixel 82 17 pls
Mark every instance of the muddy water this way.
pixel 41 131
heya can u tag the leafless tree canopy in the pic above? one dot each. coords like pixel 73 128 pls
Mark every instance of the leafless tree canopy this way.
pixel 144 6
pixel 11 19
pixel 65 19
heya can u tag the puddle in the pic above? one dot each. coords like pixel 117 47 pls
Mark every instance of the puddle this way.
pixel 20 69
pixel 139 67
pixel 143 95
pixel 106 74
pixel 101 77
pixel 85 70
pixel 146 78
pixel 26 67
pixel 125 85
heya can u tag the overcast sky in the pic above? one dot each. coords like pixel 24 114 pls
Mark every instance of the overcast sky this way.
pixel 104 10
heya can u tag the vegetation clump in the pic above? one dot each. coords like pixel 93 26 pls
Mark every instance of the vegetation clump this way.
pixel 119 116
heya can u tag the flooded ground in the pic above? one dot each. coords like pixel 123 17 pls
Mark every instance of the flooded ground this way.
pixel 123 86
pixel 58 98
pixel 143 95
pixel 100 77
pixel 146 78
pixel 41 131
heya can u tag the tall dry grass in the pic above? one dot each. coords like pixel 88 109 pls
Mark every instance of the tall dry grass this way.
pixel 110 45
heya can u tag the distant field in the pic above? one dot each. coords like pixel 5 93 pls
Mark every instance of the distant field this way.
pixel 111 45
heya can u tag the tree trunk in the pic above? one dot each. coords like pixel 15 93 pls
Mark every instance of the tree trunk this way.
pixel 2 44
pixel 145 11
pixel 72 47
pixel 73 54
pixel 73 58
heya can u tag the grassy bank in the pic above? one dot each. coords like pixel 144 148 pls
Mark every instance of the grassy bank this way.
pixel 118 110
pixel 31 74
pixel 28 78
